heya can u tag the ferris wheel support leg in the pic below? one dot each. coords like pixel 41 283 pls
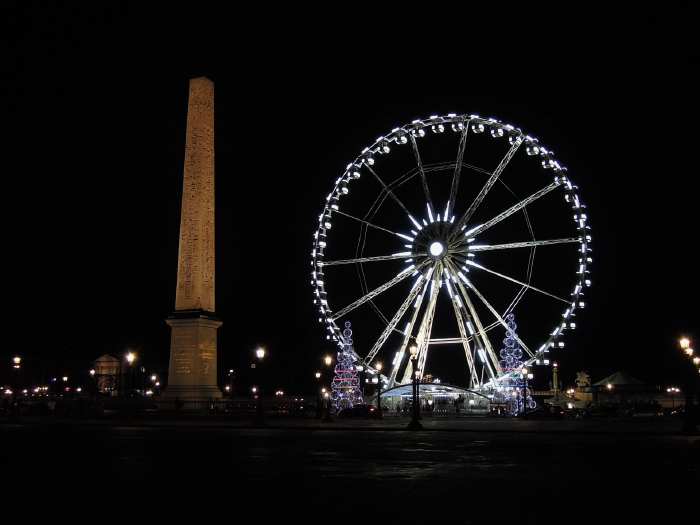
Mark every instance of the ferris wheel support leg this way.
pixel 465 343
pixel 407 336
pixel 397 317
pixel 430 313
pixel 458 309
pixel 426 325
pixel 491 361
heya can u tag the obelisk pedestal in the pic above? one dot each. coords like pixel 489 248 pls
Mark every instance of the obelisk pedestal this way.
pixel 192 376
pixel 192 370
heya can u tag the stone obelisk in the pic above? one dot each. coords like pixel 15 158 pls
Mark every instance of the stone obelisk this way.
pixel 192 374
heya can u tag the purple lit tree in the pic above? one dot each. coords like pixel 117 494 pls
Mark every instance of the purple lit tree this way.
pixel 346 382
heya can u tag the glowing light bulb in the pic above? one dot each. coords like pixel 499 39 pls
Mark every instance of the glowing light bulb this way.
pixel 436 249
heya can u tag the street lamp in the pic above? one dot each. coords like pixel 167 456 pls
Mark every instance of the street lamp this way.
pixel 689 424
pixel 525 373
pixel 673 391
pixel 415 414
pixel 327 403
pixel 230 381
pixel 319 400
pixel 328 361
pixel 260 354
pixel 130 359
pixel 93 382
pixel 16 364
pixel 379 367
pixel 609 388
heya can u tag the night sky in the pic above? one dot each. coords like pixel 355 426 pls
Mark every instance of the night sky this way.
pixel 94 109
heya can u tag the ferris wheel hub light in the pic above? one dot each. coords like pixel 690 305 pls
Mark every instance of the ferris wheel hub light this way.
pixel 436 249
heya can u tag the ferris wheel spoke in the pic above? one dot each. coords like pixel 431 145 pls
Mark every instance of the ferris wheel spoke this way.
pixel 488 185
pixel 371 295
pixel 498 317
pixel 513 209
pixel 387 189
pixel 393 257
pixel 423 343
pixel 508 278
pixel 456 306
pixel 526 244
pixel 476 168
pixel 417 287
pixel 424 181
pixel 401 235
pixel 490 359
pixel 457 173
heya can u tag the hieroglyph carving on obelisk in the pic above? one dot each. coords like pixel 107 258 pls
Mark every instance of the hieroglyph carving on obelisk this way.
pixel 195 273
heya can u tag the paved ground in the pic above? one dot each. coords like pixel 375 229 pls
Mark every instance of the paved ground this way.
pixel 473 471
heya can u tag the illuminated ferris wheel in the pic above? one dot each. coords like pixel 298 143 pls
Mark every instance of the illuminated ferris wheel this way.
pixel 436 233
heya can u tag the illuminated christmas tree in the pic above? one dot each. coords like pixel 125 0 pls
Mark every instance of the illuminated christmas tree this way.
pixel 346 382
pixel 512 363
